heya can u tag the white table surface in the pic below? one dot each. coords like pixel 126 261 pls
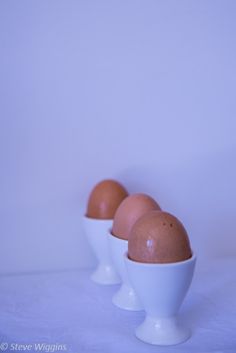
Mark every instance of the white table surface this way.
pixel 67 308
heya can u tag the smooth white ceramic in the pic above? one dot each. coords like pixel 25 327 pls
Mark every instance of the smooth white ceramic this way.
pixel 96 231
pixel 125 297
pixel 161 288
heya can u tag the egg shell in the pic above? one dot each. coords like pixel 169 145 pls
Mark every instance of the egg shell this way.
pixel 129 211
pixel 158 237
pixel 104 199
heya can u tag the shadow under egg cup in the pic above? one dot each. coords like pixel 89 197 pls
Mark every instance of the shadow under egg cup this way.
pixel 125 297
pixel 96 231
pixel 161 288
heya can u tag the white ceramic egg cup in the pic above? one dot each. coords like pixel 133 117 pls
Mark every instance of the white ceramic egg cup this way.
pixel 96 231
pixel 161 288
pixel 126 297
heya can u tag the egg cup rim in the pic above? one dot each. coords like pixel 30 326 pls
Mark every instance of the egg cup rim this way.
pixel 115 236
pixel 97 219
pixel 168 264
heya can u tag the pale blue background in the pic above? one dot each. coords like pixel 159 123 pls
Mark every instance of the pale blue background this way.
pixel 141 91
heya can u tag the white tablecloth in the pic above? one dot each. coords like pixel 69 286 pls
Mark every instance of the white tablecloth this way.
pixel 67 309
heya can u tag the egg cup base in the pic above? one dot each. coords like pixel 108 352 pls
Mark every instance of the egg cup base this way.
pixel 162 331
pixel 126 299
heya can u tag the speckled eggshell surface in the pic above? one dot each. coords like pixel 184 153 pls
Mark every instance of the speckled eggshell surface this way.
pixel 158 237
pixel 129 211
pixel 104 199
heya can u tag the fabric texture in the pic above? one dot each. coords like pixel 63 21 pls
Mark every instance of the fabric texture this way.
pixel 67 308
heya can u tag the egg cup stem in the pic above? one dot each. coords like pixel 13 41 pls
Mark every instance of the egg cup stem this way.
pixel 96 231
pixel 126 298
pixel 105 274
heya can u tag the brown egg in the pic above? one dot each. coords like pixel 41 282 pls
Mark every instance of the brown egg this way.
pixel 129 211
pixel 105 199
pixel 158 237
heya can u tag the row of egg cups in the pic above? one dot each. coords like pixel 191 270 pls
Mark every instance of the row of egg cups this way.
pixel 159 289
